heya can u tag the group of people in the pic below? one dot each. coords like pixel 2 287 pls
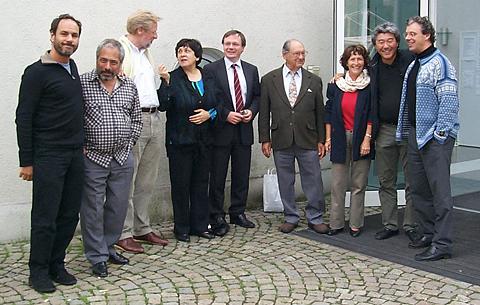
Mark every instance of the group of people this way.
pixel 91 142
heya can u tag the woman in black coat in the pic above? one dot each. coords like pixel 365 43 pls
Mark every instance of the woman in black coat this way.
pixel 185 97
pixel 348 119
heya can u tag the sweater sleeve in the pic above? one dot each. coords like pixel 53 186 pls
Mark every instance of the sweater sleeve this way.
pixel 448 104
pixel 28 99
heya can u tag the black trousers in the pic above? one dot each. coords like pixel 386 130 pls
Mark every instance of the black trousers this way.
pixel 429 174
pixel 189 170
pixel 57 193
pixel 240 174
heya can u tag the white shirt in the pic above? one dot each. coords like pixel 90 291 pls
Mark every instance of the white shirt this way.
pixel 287 78
pixel 144 78
pixel 241 78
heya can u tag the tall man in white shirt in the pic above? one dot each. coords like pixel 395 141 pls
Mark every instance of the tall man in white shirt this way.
pixel 138 64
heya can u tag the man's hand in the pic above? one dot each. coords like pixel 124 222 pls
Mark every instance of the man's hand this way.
pixel 321 150
pixel 234 118
pixel 163 72
pixel 267 149
pixel 336 77
pixel 26 173
pixel 247 115
pixel 201 116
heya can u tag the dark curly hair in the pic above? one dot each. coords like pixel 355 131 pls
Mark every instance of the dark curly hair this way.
pixel 425 24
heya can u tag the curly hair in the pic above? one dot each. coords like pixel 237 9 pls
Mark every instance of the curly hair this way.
pixel 425 24
pixel 354 49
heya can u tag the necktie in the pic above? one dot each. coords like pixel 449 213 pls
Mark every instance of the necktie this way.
pixel 292 90
pixel 238 90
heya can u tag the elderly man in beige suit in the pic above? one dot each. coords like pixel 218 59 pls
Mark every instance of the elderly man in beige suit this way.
pixel 292 97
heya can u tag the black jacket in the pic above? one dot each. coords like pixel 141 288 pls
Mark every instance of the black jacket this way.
pixel 334 116
pixel 223 132
pixel 179 100
pixel 403 59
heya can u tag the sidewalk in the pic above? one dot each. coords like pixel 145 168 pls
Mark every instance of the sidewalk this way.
pixel 255 266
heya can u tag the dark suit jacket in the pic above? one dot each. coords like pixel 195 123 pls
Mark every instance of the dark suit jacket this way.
pixel 301 125
pixel 179 100
pixel 216 73
pixel 334 116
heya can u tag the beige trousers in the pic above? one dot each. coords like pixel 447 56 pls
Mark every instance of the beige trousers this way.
pixel 355 172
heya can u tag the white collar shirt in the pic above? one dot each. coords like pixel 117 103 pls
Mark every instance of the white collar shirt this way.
pixel 241 78
pixel 144 78
pixel 287 77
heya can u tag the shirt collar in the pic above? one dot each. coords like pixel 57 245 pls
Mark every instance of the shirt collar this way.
pixel 229 63
pixel 286 71
pixel 134 47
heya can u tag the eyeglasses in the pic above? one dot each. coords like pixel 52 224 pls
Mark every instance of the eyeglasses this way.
pixel 297 54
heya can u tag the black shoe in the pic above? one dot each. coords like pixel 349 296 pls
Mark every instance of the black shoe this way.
pixel 332 232
pixel 432 254
pixel 100 269
pixel 220 227
pixel 182 237
pixel 62 277
pixel 41 283
pixel 242 221
pixel 206 234
pixel 420 243
pixel 356 233
pixel 118 259
pixel 413 235
pixel 385 233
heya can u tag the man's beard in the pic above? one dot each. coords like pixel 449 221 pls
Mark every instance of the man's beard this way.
pixel 106 75
pixel 64 52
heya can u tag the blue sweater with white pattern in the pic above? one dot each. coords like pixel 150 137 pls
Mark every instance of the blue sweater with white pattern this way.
pixel 437 101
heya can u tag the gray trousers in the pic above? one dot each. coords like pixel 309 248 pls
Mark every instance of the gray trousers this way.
pixel 311 178
pixel 388 153
pixel 146 153
pixel 357 173
pixel 429 170
pixel 104 205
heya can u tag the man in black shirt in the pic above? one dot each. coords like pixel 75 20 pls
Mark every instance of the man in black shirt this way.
pixel 387 71
pixel 50 136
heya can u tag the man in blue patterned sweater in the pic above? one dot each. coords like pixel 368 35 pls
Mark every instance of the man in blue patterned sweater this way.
pixel 429 118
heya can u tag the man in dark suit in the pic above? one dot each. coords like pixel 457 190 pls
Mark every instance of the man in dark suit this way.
pixel 292 97
pixel 237 94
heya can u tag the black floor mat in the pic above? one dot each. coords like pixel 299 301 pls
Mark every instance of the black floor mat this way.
pixel 464 266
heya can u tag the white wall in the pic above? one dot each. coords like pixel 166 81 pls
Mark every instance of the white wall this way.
pixel 24 34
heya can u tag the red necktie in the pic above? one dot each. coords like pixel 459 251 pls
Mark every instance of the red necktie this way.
pixel 238 90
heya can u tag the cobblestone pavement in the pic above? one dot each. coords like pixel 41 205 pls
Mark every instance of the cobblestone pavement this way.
pixel 255 266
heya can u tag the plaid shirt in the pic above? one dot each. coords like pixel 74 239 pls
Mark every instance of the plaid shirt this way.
pixel 113 122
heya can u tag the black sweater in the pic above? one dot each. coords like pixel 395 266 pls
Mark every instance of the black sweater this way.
pixel 50 109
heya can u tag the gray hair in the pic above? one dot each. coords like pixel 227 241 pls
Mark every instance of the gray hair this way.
pixel 286 45
pixel 386 28
pixel 112 44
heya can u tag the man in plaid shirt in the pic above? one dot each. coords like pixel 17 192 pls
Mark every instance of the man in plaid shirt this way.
pixel 113 123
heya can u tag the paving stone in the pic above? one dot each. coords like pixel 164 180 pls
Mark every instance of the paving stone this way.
pixel 254 266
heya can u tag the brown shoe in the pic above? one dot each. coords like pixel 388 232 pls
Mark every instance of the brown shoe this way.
pixel 320 228
pixel 151 238
pixel 129 245
pixel 287 227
